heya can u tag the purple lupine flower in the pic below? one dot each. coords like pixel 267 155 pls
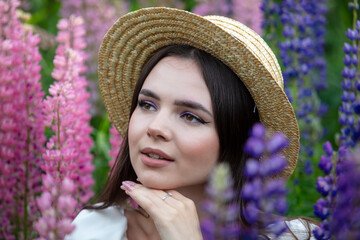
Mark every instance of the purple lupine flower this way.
pixel 21 125
pixel 345 218
pixel 349 110
pixel 326 186
pixel 247 12
pixel 98 17
pixel 222 211
pixel 263 194
pixel 302 54
pixel 67 154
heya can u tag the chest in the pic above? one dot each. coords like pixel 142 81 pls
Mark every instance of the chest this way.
pixel 140 227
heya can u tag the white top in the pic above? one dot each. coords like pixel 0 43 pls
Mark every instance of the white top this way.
pixel 111 224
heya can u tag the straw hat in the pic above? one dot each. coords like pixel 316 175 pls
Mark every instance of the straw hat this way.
pixel 136 36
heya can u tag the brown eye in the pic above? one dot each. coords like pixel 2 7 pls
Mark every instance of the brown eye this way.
pixel 147 106
pixel 189 117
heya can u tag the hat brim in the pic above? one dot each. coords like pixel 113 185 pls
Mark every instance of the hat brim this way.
pixel 134 37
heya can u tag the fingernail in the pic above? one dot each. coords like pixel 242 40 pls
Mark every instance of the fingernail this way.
pixel 131 183
pixel 126 186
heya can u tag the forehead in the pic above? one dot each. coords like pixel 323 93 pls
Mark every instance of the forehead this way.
pixel 178 77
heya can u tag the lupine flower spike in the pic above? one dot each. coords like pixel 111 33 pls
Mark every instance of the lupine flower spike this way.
pixel 56 205
pixel 67 154
pixel 98 17
pixel 340 188
pixel 21 125
pixel 302 55
pixel 349 110
pixel 222 212
pixel 326 186
pixel 263 193
pixel 247 12
pixel 115 142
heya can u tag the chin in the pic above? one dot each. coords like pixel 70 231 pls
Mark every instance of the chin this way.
pixel 154 184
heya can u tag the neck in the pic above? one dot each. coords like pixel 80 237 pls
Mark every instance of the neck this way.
pixel 197 194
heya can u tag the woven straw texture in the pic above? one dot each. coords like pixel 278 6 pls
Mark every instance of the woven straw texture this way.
pixel 134 37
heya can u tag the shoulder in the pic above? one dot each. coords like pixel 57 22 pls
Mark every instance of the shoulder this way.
pixel 109 223
pixel 301 228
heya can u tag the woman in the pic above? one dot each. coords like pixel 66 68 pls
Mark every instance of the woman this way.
pixel 196 86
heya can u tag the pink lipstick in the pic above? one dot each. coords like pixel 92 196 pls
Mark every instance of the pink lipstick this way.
pixel 155 158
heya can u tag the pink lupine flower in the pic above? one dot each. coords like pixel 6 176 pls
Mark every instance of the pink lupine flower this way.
pixel 98 17
pixel 21 124
pixel 247 12
pixel 66 109
pixel 115 141
pixel 57 205
pixel 67 158
pixel 212 7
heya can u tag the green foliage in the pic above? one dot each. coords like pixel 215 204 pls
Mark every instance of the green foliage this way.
pixel 100 150
pixel 45 15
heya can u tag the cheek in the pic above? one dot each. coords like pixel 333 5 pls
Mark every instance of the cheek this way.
pixel 202 150
pixel 135 127
pixel 135 131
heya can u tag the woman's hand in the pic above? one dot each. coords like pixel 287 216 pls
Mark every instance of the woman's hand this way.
pixel 174 216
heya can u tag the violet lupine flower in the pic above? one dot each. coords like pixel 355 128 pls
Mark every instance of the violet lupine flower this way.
pixel 66 109
pixel 326 186
pixel 247 12
pixel 98 17
pixel 340 188
pixel 263 194
pixel 345 218
pixel 302 54
pixel 349 111
pixel 115 141
pixel 222 211
pixel 21 125
pixel 57 205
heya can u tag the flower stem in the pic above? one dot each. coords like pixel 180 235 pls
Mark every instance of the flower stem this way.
pixel 26 180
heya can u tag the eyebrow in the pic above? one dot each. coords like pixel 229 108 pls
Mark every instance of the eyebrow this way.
pixel 184 103
pixel 193 105
pixel 149 93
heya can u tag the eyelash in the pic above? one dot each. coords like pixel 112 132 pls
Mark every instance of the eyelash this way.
pixel 143 104
pixel 198 119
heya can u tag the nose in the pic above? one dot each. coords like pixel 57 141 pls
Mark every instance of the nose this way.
pixel 159 129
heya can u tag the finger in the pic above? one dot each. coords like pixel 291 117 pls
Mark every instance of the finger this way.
pixel 149 199
pixel 181 202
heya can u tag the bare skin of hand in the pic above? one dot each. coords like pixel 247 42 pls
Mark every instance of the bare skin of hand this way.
pixel 175 217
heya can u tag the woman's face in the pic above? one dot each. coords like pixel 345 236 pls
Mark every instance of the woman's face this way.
pixel 172 138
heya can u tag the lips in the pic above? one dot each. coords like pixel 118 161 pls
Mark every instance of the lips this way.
pixel 156 153
pixel 155 158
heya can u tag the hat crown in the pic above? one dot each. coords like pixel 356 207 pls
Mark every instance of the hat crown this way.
pixel 253 42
